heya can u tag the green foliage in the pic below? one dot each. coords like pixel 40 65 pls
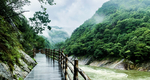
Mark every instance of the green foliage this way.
pixel 40 20
pixel 124 32
pixel 15 32
pixel 9 44
pixel 59 45
pixel 30 38
pixel 21 78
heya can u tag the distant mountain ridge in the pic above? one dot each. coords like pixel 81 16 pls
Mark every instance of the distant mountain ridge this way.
pixel 56 35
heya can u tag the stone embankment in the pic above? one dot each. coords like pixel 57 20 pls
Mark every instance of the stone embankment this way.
pixel 114 64
pixel 20 71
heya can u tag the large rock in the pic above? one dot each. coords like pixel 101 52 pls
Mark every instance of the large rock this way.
pixel 114 64
pixel 82 60
pixel 28 60
pixel 17 71
pixel 20 70
pixel 23 70
pixel 24 66
pixel 5 73
pixel 118 64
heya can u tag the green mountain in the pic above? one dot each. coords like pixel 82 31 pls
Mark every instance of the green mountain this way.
pixel 119 29
pixel 57 35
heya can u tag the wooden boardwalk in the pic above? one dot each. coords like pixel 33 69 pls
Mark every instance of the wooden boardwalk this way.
pixel 46 69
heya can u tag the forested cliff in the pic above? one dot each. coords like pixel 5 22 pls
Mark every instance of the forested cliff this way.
pixel 17 36
pixel 119 29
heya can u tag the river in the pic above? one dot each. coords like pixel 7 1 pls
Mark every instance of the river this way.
pixel 100 73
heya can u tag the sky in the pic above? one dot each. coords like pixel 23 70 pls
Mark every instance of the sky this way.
pixel 68 14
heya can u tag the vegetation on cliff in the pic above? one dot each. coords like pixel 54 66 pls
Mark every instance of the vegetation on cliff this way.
pixel 16 33
pixel 120 28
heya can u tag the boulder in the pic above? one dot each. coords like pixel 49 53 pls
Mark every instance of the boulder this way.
pixel 24 66
pixel 5 73
pixel 20 70
pixel 27 59
pixel 17 71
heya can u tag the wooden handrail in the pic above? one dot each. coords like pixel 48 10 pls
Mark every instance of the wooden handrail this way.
pixel 64 60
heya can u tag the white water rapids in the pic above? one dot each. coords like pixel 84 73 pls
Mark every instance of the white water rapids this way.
pixel 99 73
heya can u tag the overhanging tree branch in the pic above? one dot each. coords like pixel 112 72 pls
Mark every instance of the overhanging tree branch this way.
pixel 15 14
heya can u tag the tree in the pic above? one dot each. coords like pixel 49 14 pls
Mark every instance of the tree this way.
pixel 40 20
pixel 10 9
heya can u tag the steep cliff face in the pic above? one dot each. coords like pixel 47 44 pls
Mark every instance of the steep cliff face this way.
pixel 20 70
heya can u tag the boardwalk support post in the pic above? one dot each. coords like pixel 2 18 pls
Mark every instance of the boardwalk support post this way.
pixel 59 58
pixel 34 52
pixel 66 67
pixel 61 62
pixel 53 54
pixel 75 70
pixel 45 51
pixel 50 52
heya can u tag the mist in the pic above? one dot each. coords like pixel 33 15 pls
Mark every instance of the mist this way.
pixel 68 14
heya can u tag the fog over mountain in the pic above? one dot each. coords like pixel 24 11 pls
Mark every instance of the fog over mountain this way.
pixel 56 35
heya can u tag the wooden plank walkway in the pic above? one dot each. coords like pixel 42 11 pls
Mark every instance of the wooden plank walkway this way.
pixel 46 69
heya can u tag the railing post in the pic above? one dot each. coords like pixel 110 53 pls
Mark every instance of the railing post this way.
pixel 59 58
pixel 66 67
pixel 61 61
pixel 48 51
pixel 34 52
pixel 41 50
pixel 75 70
pixel 45 51
pixel 53 54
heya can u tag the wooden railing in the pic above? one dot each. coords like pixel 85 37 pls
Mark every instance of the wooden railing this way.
pixel 64 62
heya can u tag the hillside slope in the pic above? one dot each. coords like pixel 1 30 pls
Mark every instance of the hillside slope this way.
pixel 57 35
pixel 18 38
pixel 119 29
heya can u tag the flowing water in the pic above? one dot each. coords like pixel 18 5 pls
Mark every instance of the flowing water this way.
pixel 100 73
